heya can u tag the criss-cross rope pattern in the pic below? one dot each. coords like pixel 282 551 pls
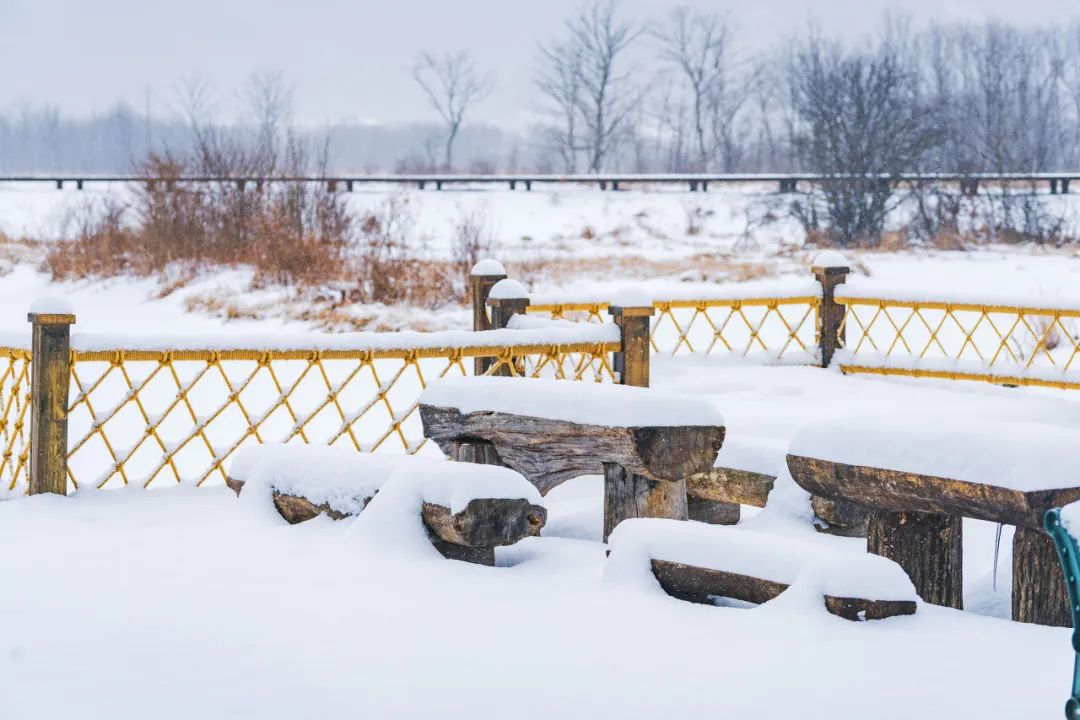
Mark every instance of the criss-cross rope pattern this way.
pixel 14 418
pixel 140 417
pixel 777 328
pixel 993 343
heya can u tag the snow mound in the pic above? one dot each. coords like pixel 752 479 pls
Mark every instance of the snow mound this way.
pixel 584 403
pixel 51 305
pixel 830 259
pixel 488 266
pixel 1022 456
pixel 392 519
pixel 632 296
pixel 508 289
pixel 635 543
pixel 341 478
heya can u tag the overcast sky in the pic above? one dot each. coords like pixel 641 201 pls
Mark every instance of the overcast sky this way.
pixel 350 59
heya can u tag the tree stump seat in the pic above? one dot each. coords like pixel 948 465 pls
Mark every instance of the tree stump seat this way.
pixel 645 443
pixel 918 482
pixel 699 563
pixel 308 481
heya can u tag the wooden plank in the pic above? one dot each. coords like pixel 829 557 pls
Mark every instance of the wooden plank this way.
pixel 549 452
pixel 732 486
pixel 697 584
pixel 896 490
pixel 712 511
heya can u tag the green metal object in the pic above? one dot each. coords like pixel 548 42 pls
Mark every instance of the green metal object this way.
pixel 1069 555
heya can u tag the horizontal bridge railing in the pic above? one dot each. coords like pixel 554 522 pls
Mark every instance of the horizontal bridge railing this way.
pixel 145 412
pixel 1013 341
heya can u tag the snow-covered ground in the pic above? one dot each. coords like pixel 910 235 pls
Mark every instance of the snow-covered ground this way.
pixel 182 602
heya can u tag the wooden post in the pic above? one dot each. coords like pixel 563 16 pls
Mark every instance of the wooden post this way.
pixel 632 360
pixel 506 299
pixel 482 278
pixel 1039 594
pixel 830 269
pixel 50 377
pixel 928 546
pixel 627 495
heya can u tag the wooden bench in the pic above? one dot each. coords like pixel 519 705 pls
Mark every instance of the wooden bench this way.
pixel 919 478
pixel 306 481
pixel 645 443
pixel 698 563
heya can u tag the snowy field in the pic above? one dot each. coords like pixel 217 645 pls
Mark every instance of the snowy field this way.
pixel 184 602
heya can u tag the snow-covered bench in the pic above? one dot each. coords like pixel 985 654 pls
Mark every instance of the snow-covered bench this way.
pixel 646 443
pixel 467 510
pixel 697 562
pixel 920 477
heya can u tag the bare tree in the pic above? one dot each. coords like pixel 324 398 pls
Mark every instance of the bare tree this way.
pixel 452 86
pixel 698 46
pixel 608 95
pixel 268 101
pixel 559 82
pixel 862 121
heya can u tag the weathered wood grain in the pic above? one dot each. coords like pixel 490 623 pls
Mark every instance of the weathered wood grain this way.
pixel 840 517
pixel 50 380
pixel 712 511
pixel 697 584
pixel 929 547
pixel 732 486
pixel 628 495
pixel 549 452
pixel 295 508
pixel 896 490
pixel 473 533
pixel 1039 594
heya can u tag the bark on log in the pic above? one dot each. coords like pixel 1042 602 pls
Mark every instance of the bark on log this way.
pixel 629 495
pixel 840 517
pixel 294 508
pixel 928 547
pixel 896 490
pixel 485 522
pixel 1039 594
pixel 696 584
pixel 548 452
pixel 732 486
pixel 712 512
pixel 478 452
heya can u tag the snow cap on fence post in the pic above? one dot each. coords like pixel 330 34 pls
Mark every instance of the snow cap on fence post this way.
pixel 830 268
pixel 507 298
pixel 483 276
pixel 632 309
pixel 50 378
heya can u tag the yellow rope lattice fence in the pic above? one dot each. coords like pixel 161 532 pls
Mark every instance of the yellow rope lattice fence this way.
pixel 781 327
pixel 1004 344
pixel 145 417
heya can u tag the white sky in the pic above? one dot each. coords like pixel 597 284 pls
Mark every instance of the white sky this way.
pixel 350 59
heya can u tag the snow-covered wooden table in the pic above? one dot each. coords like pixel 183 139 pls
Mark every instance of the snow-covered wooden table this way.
pixel 920 478
pixel 645 443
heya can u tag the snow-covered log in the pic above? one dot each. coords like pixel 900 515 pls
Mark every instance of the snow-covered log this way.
pixel 696 562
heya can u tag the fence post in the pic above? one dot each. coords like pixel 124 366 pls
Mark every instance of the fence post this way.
pixel 50 379
pixel 482 278
pixel 830 269
pixel 632 359
pixel 506 299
